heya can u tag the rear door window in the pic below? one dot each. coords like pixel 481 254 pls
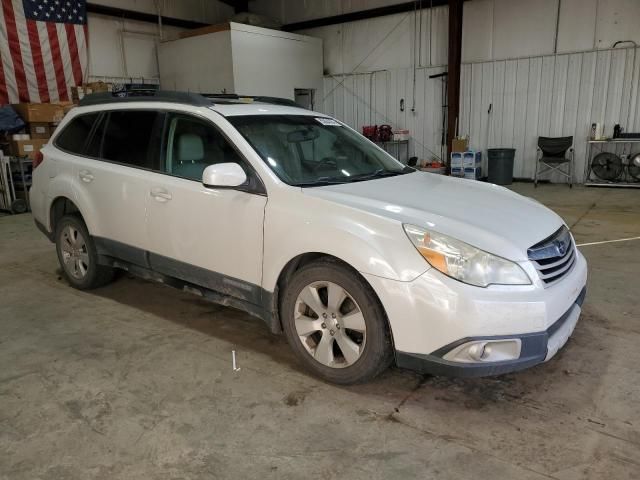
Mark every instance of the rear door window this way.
pixel 94 148
pixel 130 137
pixel 74 136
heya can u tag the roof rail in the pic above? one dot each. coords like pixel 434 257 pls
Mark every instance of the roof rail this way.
pixel 225 97
pixel 188 98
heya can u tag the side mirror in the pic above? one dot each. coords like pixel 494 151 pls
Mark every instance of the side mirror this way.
pixel 223 175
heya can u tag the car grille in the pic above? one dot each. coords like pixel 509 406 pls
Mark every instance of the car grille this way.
pixel 554 256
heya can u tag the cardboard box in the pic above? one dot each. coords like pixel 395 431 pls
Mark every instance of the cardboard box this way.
pixel 40 130
pixel 99 87
pixel 27 148
pixel 66 106
pixel 78 93
pixel 39 112
pixel 460 145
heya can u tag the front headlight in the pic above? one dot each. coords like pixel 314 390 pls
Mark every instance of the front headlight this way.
pixel 463 262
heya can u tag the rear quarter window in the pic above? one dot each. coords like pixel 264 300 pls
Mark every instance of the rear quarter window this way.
pixel 74 136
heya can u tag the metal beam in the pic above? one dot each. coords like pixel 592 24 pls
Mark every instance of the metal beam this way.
pixel 453 78
pixel 362 15
pixel 141 16
pixel 239 6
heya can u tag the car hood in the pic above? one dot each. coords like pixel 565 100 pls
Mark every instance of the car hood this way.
pixel 484 215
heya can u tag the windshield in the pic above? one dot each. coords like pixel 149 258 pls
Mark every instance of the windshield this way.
pixel 312 151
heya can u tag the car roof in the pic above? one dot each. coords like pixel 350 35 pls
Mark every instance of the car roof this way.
pixel 224 104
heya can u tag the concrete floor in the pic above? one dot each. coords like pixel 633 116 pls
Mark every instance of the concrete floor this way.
pixel 134 381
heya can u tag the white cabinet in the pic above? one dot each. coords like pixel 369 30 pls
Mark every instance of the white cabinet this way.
pixel 242 59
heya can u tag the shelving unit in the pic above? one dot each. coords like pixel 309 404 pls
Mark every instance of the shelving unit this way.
pixel 618 146
pixel 399 149
pixel 15 182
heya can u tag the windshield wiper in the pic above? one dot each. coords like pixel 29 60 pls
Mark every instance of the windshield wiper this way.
pixel 380 173
pixel 320 182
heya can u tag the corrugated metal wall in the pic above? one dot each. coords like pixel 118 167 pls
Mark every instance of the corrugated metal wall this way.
pixel 374 99
pixel 554 95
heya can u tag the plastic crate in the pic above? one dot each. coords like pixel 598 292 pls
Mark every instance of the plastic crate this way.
pixel 473 173
pixel 457 172
pixel 457 160
pixel 471 158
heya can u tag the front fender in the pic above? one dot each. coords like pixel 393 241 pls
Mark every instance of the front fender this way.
pixel 370 243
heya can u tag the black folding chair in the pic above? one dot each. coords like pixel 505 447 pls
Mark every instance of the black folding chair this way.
pixel 552 156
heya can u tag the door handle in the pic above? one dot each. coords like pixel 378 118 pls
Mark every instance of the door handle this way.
pixel 160 194
pixel 86 176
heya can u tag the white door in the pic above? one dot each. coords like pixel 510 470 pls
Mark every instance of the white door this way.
pixel 211 237
pixel 110 176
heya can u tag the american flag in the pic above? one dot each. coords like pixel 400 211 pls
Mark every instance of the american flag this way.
pixel 43 49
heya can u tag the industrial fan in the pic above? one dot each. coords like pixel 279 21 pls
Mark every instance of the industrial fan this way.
pixel 634 166
pixel 607 166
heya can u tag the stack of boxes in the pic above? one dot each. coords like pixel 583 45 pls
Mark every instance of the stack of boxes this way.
pixel 465 163
pixel 79 92
pixel 41 120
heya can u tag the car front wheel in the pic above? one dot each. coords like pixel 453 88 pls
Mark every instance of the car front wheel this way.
pixel 335 324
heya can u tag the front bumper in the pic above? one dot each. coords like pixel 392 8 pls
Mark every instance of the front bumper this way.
pixel 433 314
pixel 535 348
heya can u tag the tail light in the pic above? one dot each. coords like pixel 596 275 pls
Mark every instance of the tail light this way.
pixel 37 160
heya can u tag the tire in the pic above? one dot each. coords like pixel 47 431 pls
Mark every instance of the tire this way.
pixel 78 256
pixel 18 206
pixel 358 328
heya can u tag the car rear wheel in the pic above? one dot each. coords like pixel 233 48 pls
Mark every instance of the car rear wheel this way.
pixel 335 324
pixel 78 256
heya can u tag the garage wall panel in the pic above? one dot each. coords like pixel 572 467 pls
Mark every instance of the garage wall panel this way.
pixel 530 97
pixel 520 112
pixel 123 49
pixel 508 63
pixel 524 168
pixel 577 25
pixel 617 20
pixel 492 30
pixel 292 11
pixel 551 96
pixel 389 42
pixel 523 27
pixel 374 99
pixel 558 93
pixel 477 31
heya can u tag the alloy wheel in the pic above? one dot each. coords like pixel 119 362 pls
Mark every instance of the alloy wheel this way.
pixel 74 252
pixel 330 324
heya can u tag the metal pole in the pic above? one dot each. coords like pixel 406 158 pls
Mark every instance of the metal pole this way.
pixel 453 77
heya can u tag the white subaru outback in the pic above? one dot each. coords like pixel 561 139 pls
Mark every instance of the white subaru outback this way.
pixel 299 220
